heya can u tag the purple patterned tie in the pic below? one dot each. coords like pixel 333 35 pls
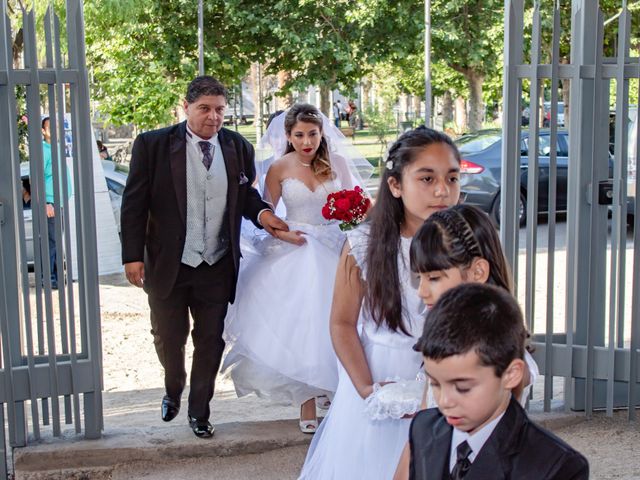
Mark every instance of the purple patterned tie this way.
pixel 207 159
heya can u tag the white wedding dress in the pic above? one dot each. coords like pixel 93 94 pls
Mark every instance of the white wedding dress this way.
pixel 348 443
pixel 278 326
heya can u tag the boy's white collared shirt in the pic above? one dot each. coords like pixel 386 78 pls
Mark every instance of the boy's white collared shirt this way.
pixel 476 441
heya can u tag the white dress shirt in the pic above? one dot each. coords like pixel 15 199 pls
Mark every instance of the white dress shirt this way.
pixel 476 440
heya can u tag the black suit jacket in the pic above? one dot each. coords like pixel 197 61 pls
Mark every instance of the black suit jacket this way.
pixel 154 203
pixel 517 449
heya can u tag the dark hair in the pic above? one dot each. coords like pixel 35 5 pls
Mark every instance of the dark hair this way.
pixel 204 85
pixel 303 112
pixel 272 116
pixel 478 317
pixel 453 238
pixel 383 294
pixel 44 119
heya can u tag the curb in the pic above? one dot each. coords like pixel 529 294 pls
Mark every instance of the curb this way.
pixel 557 420
pixel 74 457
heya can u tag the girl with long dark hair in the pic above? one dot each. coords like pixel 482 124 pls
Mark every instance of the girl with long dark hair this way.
pixel 377 314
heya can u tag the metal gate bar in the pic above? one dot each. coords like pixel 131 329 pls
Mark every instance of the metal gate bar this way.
pixel 51 345
pixel 587 331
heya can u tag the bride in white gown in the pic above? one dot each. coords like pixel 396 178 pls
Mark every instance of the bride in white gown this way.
pixel 278 326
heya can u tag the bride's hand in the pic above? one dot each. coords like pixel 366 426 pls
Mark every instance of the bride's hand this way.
pixel 295 237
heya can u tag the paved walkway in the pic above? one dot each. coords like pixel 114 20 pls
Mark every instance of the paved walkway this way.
pixel 253 439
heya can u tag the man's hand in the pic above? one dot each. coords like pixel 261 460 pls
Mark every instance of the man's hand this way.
pixel 51 212
pixel 135 273
pixel 271 223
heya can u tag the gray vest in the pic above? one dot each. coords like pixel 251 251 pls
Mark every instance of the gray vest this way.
pixel 207 230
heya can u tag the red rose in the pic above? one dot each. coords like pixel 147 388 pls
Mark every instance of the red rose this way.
pixel 343 205
pixel 348 206
pixel 326 212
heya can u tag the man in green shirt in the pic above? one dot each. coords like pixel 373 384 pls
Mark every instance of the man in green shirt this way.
pixel 49 198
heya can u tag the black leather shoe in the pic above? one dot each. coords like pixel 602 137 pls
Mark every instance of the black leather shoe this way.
pixel 170 408
pixel 201 428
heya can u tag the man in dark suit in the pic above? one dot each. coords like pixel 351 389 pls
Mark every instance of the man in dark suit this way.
pixel 188 187
pixel 473 345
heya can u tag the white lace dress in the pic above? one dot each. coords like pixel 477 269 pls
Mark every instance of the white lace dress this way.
pixel 278 326
pixel 348 443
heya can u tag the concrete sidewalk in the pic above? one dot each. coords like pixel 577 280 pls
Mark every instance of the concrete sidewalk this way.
pixel 134 433
pixel 253 437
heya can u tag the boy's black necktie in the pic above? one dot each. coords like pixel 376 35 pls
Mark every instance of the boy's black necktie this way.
pixel 463 464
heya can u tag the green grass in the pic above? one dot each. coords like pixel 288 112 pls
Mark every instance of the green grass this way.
pixel 365 141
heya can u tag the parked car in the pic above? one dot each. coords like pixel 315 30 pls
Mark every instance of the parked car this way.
pixel 116 178
pixel 546 121
pixel 631 158
pixel 482 168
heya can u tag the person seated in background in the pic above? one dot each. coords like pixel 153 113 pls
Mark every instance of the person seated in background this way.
pixel 473 347
pixel 26 193
pixel 102 150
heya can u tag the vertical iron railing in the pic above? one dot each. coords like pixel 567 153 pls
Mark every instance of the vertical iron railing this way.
pixel 597 353
pixel 51 346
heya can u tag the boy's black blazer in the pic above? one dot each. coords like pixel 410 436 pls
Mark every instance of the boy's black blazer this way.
pixel 517 449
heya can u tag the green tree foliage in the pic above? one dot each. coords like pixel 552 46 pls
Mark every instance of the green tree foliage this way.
pixel 142 54
pixel 467 36
pixel 316 43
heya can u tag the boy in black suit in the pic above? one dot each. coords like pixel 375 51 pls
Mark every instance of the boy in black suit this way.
pixel 473 345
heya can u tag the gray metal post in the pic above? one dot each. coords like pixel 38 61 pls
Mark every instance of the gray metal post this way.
pixel 533 172
pixel 427 64
pixel 200 38
pixel 551 238
pixel 88 274
pixel 509 195
pixel 10 199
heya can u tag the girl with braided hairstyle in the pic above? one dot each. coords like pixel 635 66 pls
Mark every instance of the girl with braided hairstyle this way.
pixel 454 246
pixel 377 314
pixel 460 245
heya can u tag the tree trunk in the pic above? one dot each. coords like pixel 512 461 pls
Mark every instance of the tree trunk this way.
pixel 254 76
pixel 476 108
pixel 461 115
pixel 417 105
pixel 366 93
pixel 325 100
pixel 18 45
pixel 408 114
pixel 282 103
pixel 447 108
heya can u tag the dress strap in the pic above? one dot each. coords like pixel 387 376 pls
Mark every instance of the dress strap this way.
pixel 358 239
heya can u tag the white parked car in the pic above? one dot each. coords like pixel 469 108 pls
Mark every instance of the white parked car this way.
pixel 116 178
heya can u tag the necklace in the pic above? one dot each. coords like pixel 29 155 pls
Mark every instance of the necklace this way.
pixel 303 164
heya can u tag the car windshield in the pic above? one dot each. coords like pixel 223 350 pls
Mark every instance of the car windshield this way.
pixel 476 143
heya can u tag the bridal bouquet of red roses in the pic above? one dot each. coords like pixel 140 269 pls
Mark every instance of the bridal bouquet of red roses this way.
pixel 348 206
